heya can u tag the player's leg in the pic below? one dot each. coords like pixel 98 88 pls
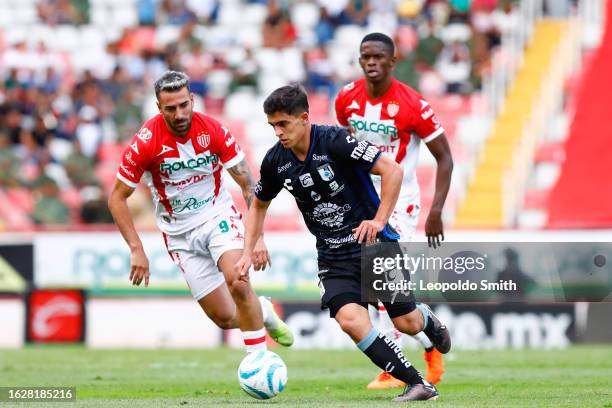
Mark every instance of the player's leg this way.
pixel 405 223
pixel 225 244
pixel 207 285
pixel 354 320
pixel 340 285
pixel 422 319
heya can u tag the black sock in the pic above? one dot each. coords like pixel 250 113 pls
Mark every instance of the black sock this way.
pixel 429 349
pixel 387 355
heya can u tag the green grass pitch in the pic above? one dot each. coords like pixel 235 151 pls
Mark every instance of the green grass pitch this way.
pixel 580 376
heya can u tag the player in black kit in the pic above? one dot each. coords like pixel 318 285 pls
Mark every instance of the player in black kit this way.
pixel 327 171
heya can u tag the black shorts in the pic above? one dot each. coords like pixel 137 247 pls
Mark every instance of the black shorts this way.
pixel 340 284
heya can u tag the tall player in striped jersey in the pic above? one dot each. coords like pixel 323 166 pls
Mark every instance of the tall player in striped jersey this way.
pixel 181 154
pixel 384 111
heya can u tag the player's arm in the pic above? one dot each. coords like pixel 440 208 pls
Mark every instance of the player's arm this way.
pixel 254 228
pixel 243 176
pixel 391 175
pixel 117 204
pixel 439 148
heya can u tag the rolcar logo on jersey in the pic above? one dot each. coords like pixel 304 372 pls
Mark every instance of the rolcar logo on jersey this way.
pixel 189 164
pixel 330 214
pixel 373 126
pixel 364 151
pixel 190 204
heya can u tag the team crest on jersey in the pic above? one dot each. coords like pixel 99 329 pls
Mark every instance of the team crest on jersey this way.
pixel 326 172
pixel 392 108
pixel 144 134
pixel 203 140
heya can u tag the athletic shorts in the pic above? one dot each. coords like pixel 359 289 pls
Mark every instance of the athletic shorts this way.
pixel 340 284
pixel 404 220
pixel 197 251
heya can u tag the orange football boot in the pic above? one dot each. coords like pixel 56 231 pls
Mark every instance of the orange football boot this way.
pixel 385 380
pixel 435 366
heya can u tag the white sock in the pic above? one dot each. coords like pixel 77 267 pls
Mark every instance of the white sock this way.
pixel 423 339
pixel 267 311
pixel 255 340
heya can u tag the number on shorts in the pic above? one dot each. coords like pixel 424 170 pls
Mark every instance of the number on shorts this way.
pixel 223 226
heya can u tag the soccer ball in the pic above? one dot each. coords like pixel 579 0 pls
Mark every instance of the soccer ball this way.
pixel 262 374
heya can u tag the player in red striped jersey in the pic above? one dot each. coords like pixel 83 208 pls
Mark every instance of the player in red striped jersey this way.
pixel 181 154
pixel 384 111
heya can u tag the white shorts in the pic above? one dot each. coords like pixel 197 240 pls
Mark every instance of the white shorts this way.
pixel 404 220
pixel 197 251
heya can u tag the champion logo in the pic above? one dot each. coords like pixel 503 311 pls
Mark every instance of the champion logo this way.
pixel 353 105
pixel 392 109
pixel 203 140
pixel 164 150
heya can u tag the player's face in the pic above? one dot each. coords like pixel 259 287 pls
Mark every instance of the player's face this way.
pixel 290 130
pixel 376 61
pixel 177 110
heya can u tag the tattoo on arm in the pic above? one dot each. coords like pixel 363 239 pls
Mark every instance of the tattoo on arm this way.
pixel 243 176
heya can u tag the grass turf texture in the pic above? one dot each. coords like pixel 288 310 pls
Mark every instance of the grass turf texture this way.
pixel 576 377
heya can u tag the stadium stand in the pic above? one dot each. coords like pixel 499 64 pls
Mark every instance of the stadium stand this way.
pixel 77 83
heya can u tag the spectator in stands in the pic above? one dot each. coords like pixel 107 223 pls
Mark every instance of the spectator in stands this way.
pixel 429 47
pixel 48 208
pixel 89 132
pixel 174 12
pixel 95 209
pixel 80 168
pixel 9 163
pixel 278 31
pixel 127 114
pixel 320 74
pixel 245 73
pixel 53 12
pixel 455 67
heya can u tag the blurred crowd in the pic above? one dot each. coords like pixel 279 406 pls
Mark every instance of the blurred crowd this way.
pixel 55 118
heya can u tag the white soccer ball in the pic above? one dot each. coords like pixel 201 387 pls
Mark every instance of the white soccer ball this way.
pixel 262 374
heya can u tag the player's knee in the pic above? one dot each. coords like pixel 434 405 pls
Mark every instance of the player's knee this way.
pixel 408 326
pixel 225 320
pixel 239 289
pixel 349 325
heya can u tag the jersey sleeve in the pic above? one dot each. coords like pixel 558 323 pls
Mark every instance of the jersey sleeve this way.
pixel 227 148
pixel 425 124
pixel 346 149
pixel 135 159
pixel 340 106
pixel 269 184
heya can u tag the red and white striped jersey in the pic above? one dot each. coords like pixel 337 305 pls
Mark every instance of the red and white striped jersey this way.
pixel 397 122
pixel 183 173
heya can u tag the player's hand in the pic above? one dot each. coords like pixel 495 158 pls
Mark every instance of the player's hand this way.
pixel 434 229
pixel 352 131
pixel 243 265
pixel 139 267
pixel 261 257
pixel 367 231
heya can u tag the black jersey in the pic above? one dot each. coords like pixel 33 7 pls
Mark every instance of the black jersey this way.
pixel 332 188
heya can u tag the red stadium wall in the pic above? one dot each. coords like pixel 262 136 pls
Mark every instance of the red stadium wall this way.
pixel 582 197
